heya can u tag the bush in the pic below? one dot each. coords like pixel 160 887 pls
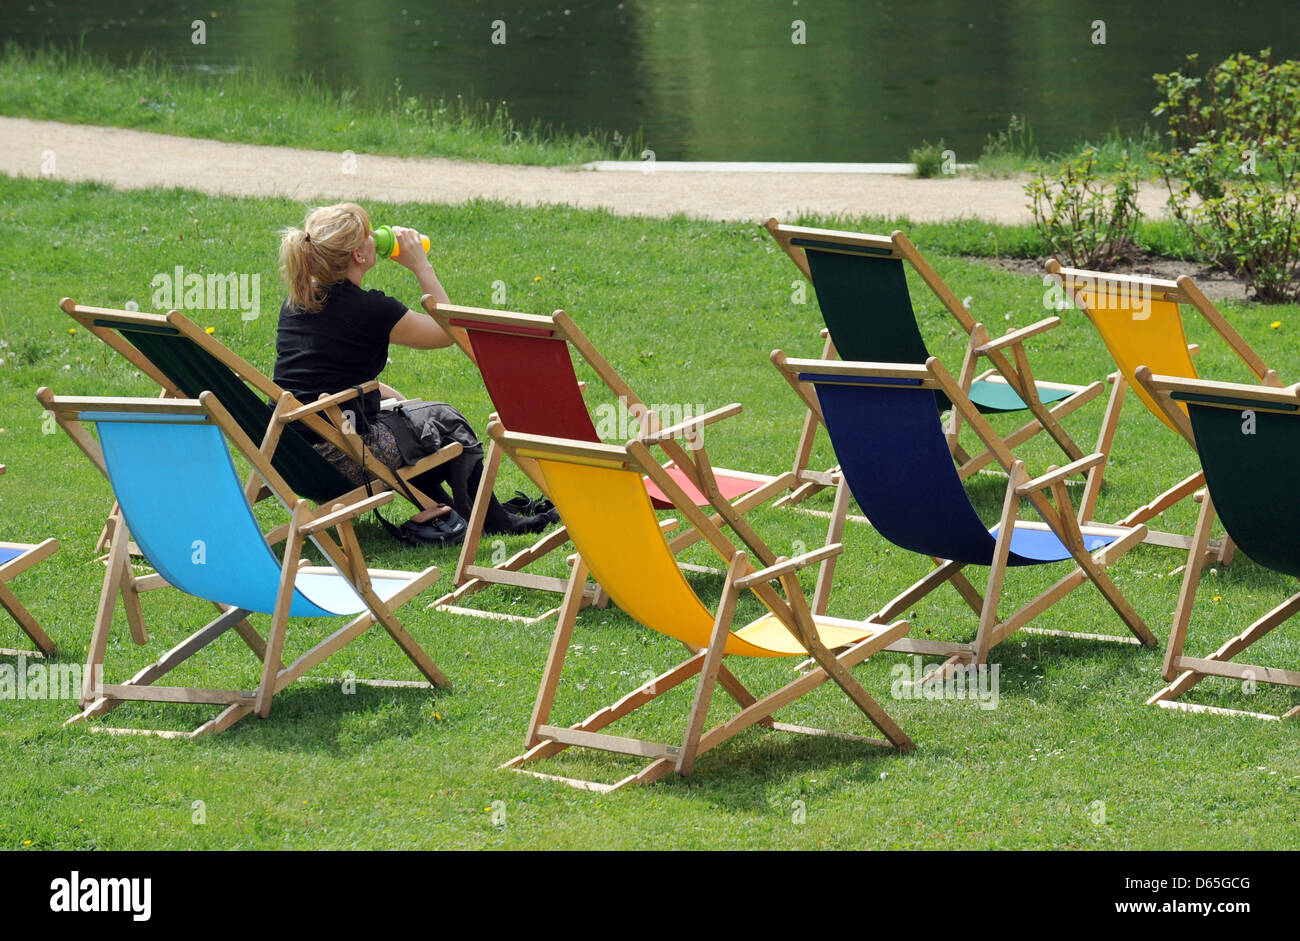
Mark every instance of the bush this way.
pixel 1082 223
pixel 1234 171
pixel 928 159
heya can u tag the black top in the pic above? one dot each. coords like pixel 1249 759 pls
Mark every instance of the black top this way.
pixel 343 345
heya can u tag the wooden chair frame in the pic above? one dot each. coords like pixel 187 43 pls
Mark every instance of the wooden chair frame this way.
pixel 1075 282
pixel 345 556
pixel 545 740
pixel 692 459
pixel 31 554
pixel 1059 519
pixel 1181 671
pixel 325 417
pixel 1012 370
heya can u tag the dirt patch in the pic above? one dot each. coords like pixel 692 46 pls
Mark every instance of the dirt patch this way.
pixel 1215 283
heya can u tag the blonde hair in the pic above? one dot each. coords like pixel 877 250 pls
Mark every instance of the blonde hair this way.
pixel 319 254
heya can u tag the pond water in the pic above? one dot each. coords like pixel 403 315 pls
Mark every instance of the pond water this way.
pixel 723 80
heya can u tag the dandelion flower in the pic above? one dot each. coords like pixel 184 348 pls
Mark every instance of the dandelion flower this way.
pixel 27 842
pixel 72 331
pixel 1275 324
pixel 538 278
pixel 1217 598
pixel 209 330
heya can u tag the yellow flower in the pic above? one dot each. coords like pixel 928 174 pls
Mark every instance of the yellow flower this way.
pixel 209 330
pixel 72 331
pixel 1275 324
pixel 27 842
pixel 1217 598
pixel 538 278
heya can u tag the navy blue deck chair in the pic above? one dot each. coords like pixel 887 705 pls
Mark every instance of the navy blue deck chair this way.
pixel 884 424
pixel 16 558
pixel 1248 439
pixel 180 497
pixel 862 291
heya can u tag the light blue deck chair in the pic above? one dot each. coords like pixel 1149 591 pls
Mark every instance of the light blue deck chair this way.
pixel 180 498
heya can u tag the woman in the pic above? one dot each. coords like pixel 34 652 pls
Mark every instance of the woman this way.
pixel 334 335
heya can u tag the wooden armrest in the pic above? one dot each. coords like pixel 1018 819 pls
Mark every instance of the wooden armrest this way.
pixel 1193 348
pixel 668 525
pixel 326 401
pixel 346 513
pixel 1018 336
pixel 1060 473
pixel 682 429
pixel 786 566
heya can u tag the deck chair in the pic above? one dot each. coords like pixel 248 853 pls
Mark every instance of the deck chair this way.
pixel 883 421
pixel 528 371
pixel 1248 439
pixel 16 558
pixel 862 291
pixel 196 527
pixel 184 360
pixel 601 493
pixel 1140 321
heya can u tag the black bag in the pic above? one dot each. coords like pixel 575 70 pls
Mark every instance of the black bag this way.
pixel 422 428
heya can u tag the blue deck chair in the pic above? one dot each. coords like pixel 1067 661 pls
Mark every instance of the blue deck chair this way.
pixel 884 423
pixel 16 558
pixel 862 291
pixel 180 498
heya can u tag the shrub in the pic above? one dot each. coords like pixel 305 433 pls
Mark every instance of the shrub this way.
pixel 1234 171
pixel 1081 222
pixel 928 159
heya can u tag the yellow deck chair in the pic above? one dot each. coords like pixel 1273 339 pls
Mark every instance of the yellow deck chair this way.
pixel 1140 320
pixel 600 493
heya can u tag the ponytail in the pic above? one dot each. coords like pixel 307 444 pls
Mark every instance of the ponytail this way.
pixel 319 254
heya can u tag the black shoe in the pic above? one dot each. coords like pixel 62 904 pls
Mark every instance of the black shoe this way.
pixel 538 521
pixel 520 504
pixel 446 530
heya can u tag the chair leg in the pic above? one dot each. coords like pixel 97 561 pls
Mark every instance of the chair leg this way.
pixel 712 663
pixel 24 618
pixel 478 513
pixel 1105 440
pixel 280 618
pixel 559 650
pixel 998 568
pixel 834 532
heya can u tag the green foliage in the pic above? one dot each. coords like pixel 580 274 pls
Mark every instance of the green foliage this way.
pixel 1234 169
pixel 1082 220
pixel 928 159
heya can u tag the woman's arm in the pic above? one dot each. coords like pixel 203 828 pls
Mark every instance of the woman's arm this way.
pixel 417 329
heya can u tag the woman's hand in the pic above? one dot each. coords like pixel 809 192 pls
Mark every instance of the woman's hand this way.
pixel 410 249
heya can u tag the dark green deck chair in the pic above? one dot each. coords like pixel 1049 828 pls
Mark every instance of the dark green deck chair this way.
pixel 1248 439
pixel 862 290
pixel 185 361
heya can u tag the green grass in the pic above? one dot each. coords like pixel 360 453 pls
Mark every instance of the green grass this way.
pixel 253 107
pixel 688 311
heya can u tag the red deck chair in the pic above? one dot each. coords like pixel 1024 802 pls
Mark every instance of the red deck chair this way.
pixel 528 371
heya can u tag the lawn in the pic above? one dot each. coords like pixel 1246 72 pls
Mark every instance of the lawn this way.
pixel 688 311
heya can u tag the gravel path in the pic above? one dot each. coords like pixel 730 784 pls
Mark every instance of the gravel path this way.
pixel 137 159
